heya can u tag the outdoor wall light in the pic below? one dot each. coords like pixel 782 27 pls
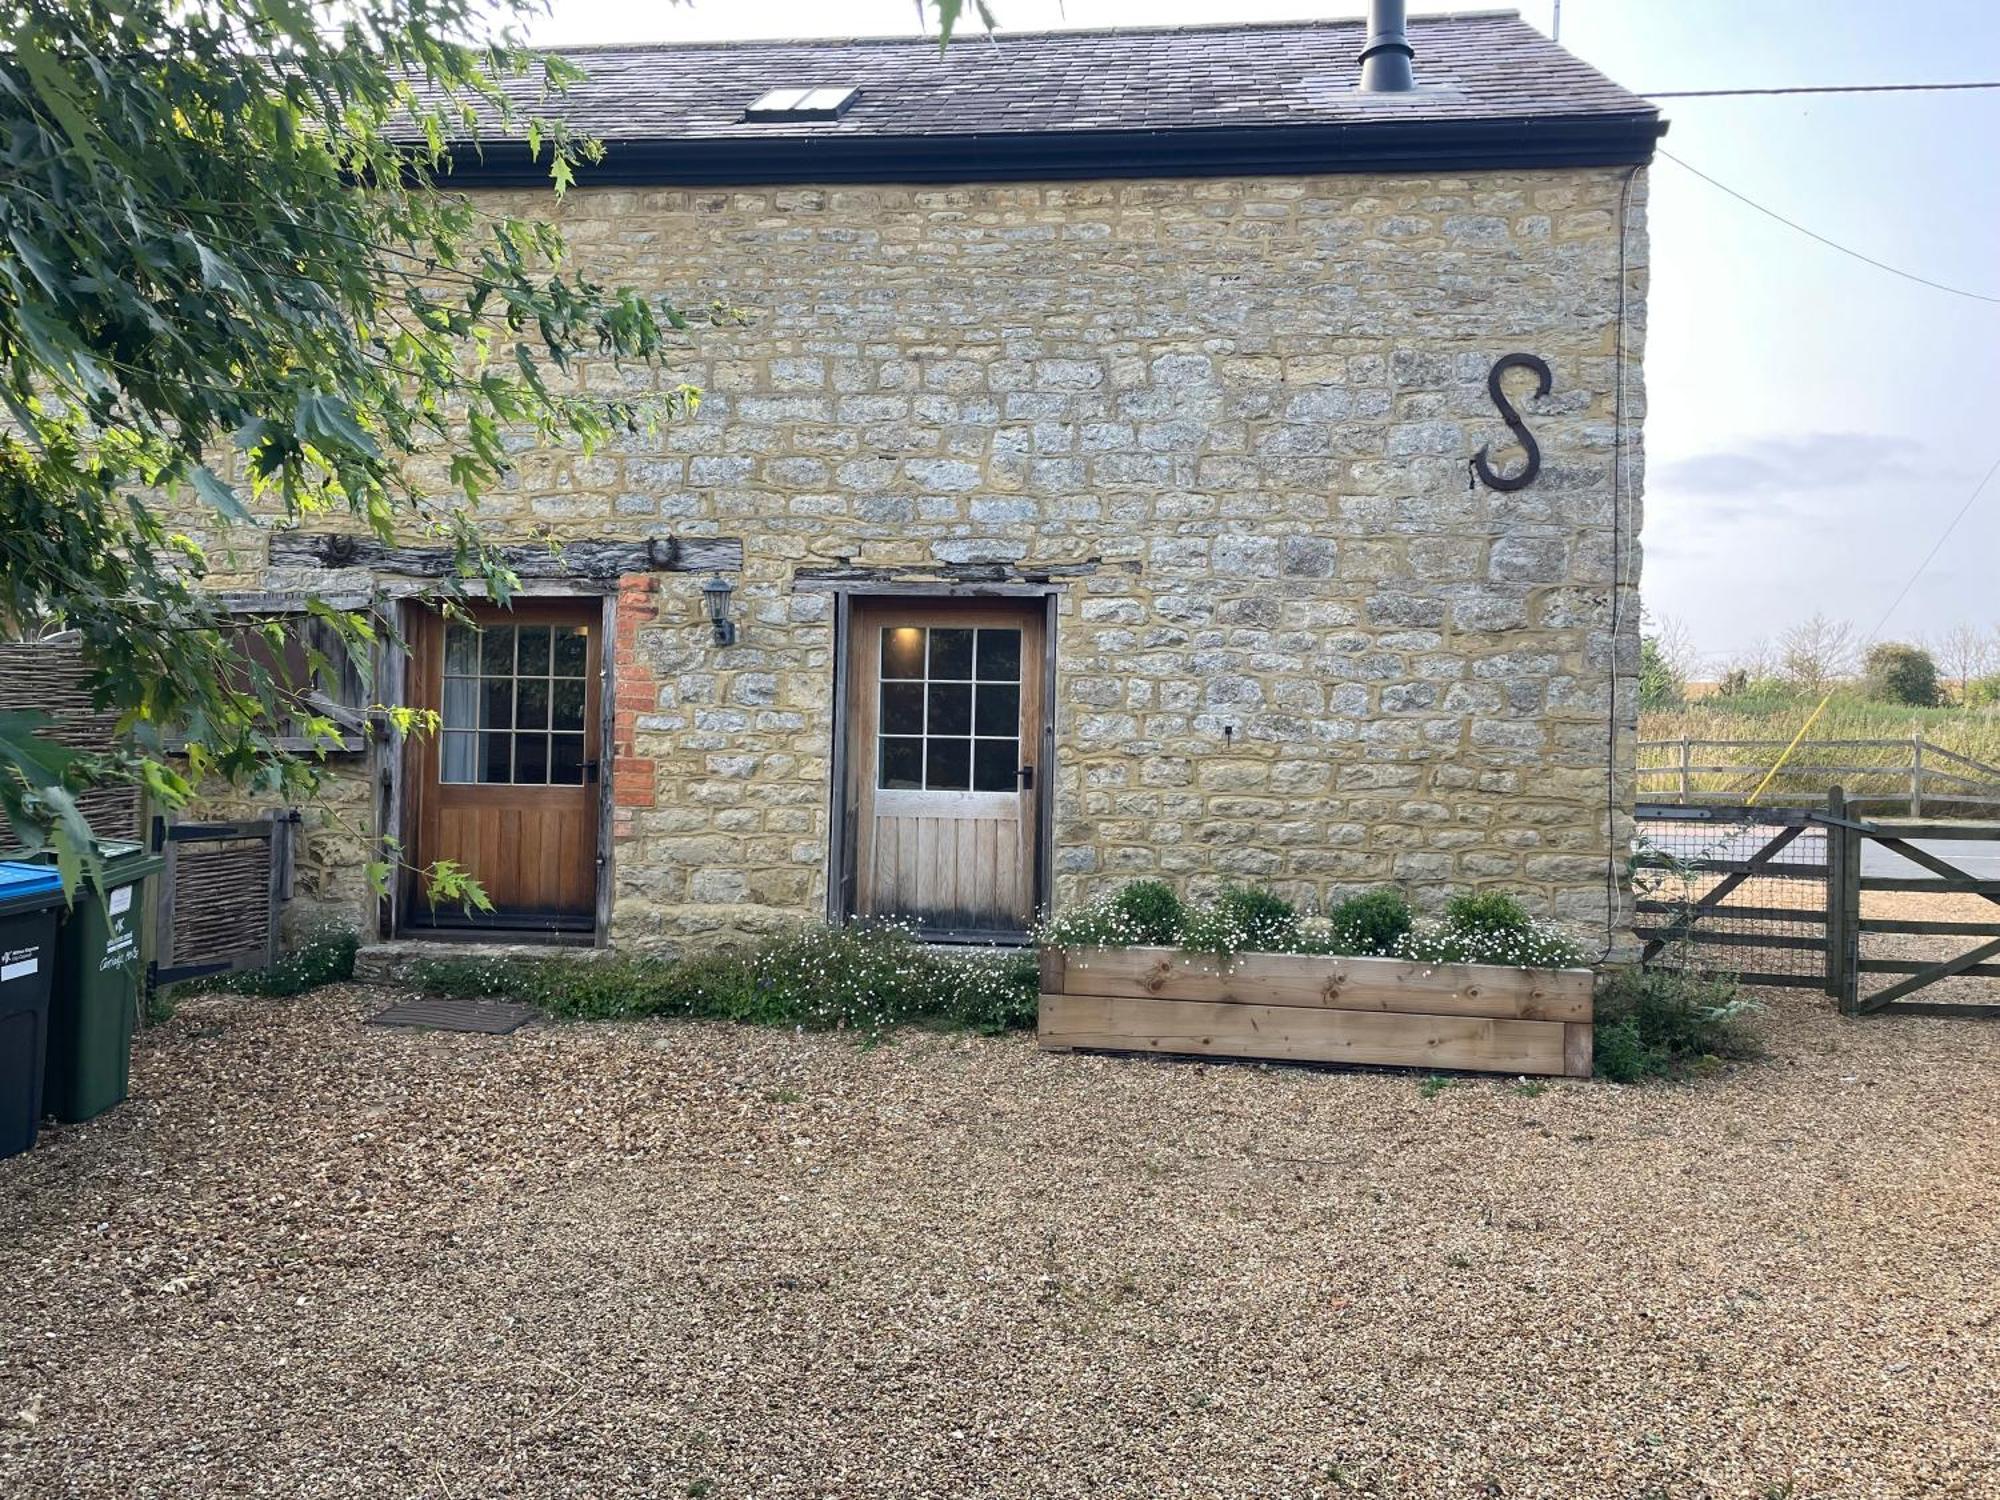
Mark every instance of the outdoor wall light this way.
pixel 715 597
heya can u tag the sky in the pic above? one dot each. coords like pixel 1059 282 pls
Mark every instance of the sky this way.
pixel 1813 423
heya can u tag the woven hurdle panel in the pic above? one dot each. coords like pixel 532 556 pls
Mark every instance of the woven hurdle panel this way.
pixel 221 900
pixel 51 676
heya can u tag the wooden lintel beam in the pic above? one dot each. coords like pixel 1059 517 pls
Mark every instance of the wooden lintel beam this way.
pixel 323 550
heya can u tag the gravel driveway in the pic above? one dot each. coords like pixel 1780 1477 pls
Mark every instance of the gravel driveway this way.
pixel 320 1259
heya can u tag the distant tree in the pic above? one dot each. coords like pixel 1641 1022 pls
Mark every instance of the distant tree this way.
pixel 1816 654
pixel 1964 653
pixel 1982 692
pixel 1901 673
pixel 1660 685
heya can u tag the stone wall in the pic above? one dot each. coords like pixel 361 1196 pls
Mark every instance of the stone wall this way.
pixel 1295 645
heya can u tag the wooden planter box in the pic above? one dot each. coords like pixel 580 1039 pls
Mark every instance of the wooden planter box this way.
pixel 1303 1008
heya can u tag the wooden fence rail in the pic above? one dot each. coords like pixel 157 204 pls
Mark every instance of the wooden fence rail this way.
pixel 1915 773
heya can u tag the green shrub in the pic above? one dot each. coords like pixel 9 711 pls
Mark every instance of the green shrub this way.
pixel 1661 1023
pixel 1243 919
pixel 861 978
pixel 325 957
pixel 1487 911
pixel 1153 912
pixel 1370 922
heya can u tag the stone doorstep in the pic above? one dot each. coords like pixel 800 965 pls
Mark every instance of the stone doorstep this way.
pixel 394 962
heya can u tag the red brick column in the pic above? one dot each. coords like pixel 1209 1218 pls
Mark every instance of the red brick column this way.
pixel 638 690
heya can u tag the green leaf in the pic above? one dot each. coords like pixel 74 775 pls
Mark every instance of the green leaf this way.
pixel 220 497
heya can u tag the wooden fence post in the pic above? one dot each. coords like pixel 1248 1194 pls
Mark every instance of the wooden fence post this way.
pixel 1687 756
pixel 1836 895
pixel 1917 774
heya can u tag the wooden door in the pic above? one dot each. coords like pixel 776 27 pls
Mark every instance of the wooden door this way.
pixel 944 725
pixel 507 787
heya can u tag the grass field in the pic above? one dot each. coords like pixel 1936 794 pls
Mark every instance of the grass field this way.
pixel 1821 760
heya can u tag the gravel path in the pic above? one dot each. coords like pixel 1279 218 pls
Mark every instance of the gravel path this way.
pixel 318 1259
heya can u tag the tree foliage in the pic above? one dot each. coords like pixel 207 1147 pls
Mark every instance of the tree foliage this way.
pixel 234 283
pixel 1903 674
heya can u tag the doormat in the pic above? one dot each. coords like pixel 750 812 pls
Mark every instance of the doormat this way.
pixel 487 1017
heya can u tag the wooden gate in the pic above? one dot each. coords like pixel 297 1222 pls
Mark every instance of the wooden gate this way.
pixel 1774 896
pixel 217 902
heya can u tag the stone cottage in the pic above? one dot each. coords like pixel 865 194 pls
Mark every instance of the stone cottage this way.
pixel 1143 453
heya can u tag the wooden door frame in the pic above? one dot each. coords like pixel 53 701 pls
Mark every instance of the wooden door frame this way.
pixel 842 845
pixel 394 758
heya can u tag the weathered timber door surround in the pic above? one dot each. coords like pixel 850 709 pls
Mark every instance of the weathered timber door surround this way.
pixel 942 749
pixel 509 786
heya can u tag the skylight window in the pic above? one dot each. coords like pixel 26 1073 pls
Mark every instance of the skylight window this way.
pixel 802 104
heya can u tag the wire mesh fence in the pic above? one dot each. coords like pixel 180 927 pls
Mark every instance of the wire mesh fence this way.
pixel 1733 890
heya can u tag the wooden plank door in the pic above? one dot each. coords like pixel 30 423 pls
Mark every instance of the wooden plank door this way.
pixel 508 786
pixel 944 725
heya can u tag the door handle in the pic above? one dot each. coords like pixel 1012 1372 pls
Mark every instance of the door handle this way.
pixel 1027 776
pixel 589 772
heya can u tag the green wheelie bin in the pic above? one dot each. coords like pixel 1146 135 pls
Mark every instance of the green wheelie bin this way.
pixel 30 897
pixel 100 972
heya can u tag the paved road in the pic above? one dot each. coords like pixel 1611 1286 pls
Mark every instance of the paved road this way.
pixel 1979 858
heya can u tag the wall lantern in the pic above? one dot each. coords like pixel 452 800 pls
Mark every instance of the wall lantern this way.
pixel 715 597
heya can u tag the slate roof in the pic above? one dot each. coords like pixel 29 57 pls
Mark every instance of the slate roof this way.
pixel 1484 76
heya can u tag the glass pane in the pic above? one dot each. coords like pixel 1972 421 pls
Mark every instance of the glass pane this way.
pixel 461 648
pixel 1000 655
pixel 999 710
pixel 534 659
pixel 531 758
pixel 951 653
pixel 951 708
pixel 455 762
pixel 947 765
pixel 496 704
pixel 902 765
pixel 495 763
pixel 566 703
pixel 903 652
pixel 566 759
pixel 572 651
pixel 496 651
pixel 902 708
pixel 461 702
pixel 531 703
pixel 995 766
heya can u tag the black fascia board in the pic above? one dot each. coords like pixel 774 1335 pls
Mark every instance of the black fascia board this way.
pixel 1366 146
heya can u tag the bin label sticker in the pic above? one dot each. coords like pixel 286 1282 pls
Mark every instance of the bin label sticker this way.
pixel 12 967
pixel 121 900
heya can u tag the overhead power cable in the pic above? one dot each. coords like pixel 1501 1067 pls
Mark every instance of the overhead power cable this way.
pixel 1880 265
pixel 1816 88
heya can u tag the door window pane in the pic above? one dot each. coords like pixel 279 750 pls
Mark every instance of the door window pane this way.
pixel 947 765
pixel 496 760
pixel 461 702
pixel 534 657
pixel 571 651
pixel 951 708
pixel 456 758
pixel 951 653
pixel 1000 655
pixel 902 708
pixel 461 649
pixel 531 758
pixel 496 651
pixel 995 765
pixel 566 759
pixel 999 710
pixel 902 764
pixel 566 703
pixel 531 703
pixel 496 703
pixel 903 653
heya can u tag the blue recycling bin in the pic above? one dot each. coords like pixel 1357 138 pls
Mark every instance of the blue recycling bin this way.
pixel 31 899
